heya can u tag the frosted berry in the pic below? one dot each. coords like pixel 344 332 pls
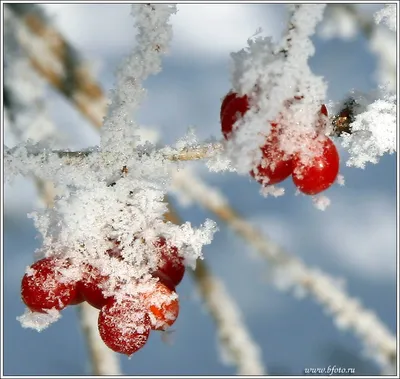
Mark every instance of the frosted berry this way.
pixel 164 279
pixel 227 99
pixel 275 166
pixel 162 305
pixel 90 286
pixel 124 326
pixel 312 175
pixel 78 299
pixel 171 264
pixel 234 109
pixel 44 287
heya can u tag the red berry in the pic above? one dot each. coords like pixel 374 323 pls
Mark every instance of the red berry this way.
pixel 124 327
pixel 162 305
pixel 316 174
pixel 78 299
pixel 275 166
pixel 90 286
pixel 45 288
pixel 164 279
pixel 237 106
pixel 227 99
pixel 170 263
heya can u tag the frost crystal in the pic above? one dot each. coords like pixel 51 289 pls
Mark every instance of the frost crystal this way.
pixel 321 202
pixel 38 321
pixel 373 133
pixel 340 180
pixel 272 191
pixel 387 15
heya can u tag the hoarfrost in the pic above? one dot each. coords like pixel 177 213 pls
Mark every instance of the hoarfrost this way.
pixel 373 132
pixel 38 321
pixel 387 15
pixel 321 202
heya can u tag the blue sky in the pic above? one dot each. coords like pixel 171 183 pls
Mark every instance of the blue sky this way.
pixel 353 239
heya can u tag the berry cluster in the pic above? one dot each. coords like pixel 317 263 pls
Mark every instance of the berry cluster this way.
pixel 125 322
pixel 313 169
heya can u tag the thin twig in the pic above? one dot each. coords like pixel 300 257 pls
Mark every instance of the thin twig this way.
pixel 168 153
pixel 205 151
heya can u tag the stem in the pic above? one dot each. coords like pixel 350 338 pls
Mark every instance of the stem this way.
pixel 75 157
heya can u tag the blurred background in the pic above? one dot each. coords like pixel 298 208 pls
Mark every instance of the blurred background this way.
pixel 353 239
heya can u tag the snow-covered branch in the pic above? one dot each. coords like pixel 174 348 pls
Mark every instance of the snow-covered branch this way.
pixel 236 342
pixel 373 129
pixel 290 273
pixel 57 61
pixel 25 108
pixel 154 35
pixel 59 158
